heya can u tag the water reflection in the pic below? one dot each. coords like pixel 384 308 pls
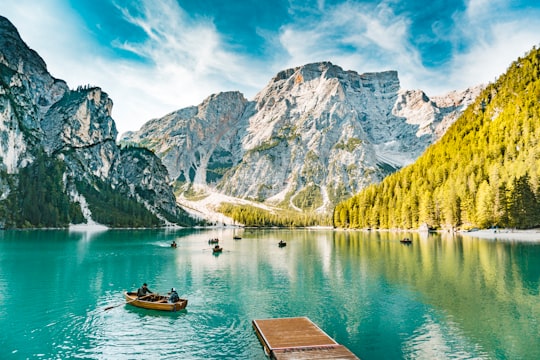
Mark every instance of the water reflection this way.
pixel 440 297
pixel 488 290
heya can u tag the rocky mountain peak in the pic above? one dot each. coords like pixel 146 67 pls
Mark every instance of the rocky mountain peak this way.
pixel 15 53
pixel 311 78
pixel 312 136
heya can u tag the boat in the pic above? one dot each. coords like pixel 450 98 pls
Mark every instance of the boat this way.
pixel 405 241
pixel 154 302
pixel 213 241
pixel 217 249
pixel 173 245
pixel 236 237
pixel 282 243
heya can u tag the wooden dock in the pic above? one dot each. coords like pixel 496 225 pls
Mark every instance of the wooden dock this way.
pixel 298 338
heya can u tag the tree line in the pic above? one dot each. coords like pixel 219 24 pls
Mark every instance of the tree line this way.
pixel 257 217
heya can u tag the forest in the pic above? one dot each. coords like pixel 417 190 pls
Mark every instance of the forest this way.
pixel 483 173
pixel 253 216
pixel 39 200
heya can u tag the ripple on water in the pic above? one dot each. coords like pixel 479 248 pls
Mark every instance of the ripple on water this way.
pixel 437 340
pixel 128 332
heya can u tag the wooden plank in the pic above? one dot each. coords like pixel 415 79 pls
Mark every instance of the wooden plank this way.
pixel 298 338
pixel 285 333
pixel 325 353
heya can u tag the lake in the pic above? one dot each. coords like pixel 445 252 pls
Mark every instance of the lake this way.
pixel 442 297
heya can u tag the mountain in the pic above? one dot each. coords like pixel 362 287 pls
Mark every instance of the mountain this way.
pixel 315 135
pixel 484 172
pixel 59 161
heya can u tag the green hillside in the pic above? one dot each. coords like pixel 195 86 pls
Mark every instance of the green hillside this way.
pixel 484 172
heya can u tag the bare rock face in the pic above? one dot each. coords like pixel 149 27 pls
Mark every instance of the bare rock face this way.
pixel 27 91
pixel 80 119
pixel 41 115
pixel 313 136
pixel 197 143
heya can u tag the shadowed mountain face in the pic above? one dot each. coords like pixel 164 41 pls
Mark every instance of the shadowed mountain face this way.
pixel 313 136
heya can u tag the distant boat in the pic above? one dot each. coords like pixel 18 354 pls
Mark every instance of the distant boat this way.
pixel 282 243
pixel 405 241
pixel 213 241
pixel 155 302
pixel 236 237
pixel 217 249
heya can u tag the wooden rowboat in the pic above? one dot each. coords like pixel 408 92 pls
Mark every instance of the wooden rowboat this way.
pixel 216 249
pixel 155 302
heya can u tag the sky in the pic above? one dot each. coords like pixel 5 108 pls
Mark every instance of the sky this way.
pixel 156 56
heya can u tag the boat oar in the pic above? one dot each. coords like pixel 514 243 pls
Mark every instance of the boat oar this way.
pixel 130 301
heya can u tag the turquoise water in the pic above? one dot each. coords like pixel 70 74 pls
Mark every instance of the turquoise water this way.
pixel 439 298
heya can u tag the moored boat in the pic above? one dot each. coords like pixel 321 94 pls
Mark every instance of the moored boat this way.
pixel 154 302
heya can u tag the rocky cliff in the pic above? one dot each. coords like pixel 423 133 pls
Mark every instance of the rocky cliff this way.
pixel 313 136
pixel 45 124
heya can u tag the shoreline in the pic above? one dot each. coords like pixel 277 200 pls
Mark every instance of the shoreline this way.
pixel 529 235
pixel 532 235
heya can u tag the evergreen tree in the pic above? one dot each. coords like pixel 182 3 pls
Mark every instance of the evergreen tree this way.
pixel 522 207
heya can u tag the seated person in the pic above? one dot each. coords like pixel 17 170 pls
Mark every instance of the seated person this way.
pixel 143 290
pixel 174 296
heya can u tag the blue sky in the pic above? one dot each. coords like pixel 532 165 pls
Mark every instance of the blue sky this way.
pixel 156 56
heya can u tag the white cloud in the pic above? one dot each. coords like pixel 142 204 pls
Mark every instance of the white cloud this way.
pixel 491 39
pixel 486 61
pixel 378 35
pixel 485 43
pixel 188 63
pixel 477 10
pixel 48 27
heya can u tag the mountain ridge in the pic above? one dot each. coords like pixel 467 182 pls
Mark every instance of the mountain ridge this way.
pixel 312 136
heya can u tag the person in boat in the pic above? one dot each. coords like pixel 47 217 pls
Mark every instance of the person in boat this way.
pixel 173 244
pixel 143 290
pixel 173 297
